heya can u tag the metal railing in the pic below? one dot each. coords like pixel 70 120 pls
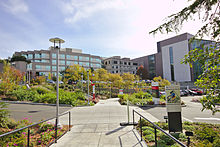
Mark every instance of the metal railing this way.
pixel 155 130
pixel 29 126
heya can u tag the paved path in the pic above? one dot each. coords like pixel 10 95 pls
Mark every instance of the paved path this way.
pixel 99 126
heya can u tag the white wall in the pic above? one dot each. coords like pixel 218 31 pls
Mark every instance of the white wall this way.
pixel 181 71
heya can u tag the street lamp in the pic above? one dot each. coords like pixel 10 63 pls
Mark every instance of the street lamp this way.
pixel 88 84
pixel 57 41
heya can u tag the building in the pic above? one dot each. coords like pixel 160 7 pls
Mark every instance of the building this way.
pixel 167 61
pixel 43 62
pixel 150 64
pixel 116 64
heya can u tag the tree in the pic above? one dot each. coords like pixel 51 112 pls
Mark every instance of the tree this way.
pixel 209 58
pixel 162 82
pixel 116 80
pixel 19 58
pixel 102 74
pixel 10 78
pixel 142 73
pixel 212 20
pixel 74 73
pixel 128 79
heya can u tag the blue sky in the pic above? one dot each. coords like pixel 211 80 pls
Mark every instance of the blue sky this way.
pixel 99 27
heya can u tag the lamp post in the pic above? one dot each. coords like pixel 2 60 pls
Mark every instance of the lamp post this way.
pixel 82 81
pixel 57 41
pixel 88 84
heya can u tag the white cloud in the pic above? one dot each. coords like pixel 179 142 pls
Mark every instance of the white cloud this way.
pixel 76 10
pixel 15 6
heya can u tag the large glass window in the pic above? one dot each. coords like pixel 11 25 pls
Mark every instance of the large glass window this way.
pixel 54 62
pixel 54 55
pixel 54 68
pixel 75 57
pixel 69 57
pixel 171 63
pixel 62 62
pixel 44 55
pixel 62 56
pixel 69 62
pixel 37 56
pixel 30 56
pixel 29 66
pixel 61 68
pixel 43 67
pixel 81 58
pixel 45 61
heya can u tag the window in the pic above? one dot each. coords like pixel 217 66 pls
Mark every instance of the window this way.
pixel 61 68
pixel 62 56
pixel 75 58
pixel 45 61
pixel 37 60
pixel 135 64
pixel 43 67
pixel 54 68
pixel 29 66
pixel 54 55
pixel 30 56
pixel 69 62
pixel 81 58
pixel 62 62
pixel 54 62
pixel 43 55
pixel 171 63
pixel 115 62
pixel 129 63
pixel 125 63
pixel 37 56
pixel 75 62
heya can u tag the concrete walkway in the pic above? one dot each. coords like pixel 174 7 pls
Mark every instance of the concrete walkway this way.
pixel 99 126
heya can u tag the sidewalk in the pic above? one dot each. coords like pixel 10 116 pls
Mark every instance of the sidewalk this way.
pixel 99 126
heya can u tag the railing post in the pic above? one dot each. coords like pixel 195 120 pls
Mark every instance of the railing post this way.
pixel 155 134
pixel 69 120
pixel 133 118
pixel 56 131
pixel 141 127
pixel 28 138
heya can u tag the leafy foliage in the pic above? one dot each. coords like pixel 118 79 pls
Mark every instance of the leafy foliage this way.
pixel 212 22
pixel 162 82
pixel 142 73
pixel 4 114
pixel 209 58
pixel 10 78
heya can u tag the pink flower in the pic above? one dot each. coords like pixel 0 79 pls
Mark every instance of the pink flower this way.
pixel 39 141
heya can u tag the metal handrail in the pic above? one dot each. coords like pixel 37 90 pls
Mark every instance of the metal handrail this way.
pixel 29 126
pixel 156 127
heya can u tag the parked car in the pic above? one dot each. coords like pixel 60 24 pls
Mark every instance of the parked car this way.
pixel 162 93
pixel 198 92
pixel 51 81
pixel 191 92
pixel 184 93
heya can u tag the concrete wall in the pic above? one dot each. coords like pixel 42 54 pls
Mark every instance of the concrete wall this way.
pixel 181 71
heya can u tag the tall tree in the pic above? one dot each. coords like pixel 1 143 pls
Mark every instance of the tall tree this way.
pixel 128 79
pixel 142 73
pixel 116 80
pixel 211 9
pixel 10 78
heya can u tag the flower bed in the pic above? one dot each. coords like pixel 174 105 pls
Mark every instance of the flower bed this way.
pixel 40 135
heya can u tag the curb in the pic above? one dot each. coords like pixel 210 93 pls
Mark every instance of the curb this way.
pixel 31 103
pixel 157 105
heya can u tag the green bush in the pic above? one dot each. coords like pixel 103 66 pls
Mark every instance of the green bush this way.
pixel 206 133
pixel 41 90
pixel 22 94
pixel 4 115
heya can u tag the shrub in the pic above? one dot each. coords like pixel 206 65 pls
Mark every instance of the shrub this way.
pixel 41 90
pixel 22 94
pixel 4 115
pixel 206 133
